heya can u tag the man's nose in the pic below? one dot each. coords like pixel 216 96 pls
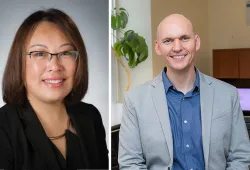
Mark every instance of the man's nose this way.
pixel 177 46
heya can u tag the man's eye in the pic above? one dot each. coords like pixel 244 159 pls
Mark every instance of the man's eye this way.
pixel 185 38
pixel 167 41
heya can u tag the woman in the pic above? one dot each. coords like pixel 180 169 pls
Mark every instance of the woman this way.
pixel 44 124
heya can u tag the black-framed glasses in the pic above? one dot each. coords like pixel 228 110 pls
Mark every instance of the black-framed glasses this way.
pixel 64 56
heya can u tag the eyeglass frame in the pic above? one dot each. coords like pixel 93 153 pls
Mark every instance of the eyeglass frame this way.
pixel 51 54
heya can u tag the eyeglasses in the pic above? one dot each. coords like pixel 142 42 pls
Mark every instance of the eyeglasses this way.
pixel 64 57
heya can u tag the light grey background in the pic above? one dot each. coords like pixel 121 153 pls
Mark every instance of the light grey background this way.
pixel 92 19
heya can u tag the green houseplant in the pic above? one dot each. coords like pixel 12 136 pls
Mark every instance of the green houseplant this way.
pixel 128 44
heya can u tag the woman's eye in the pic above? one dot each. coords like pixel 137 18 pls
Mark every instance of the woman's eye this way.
pixel 66 53
pixel 39 54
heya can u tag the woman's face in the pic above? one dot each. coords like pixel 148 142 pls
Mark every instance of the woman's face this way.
pixel 47 80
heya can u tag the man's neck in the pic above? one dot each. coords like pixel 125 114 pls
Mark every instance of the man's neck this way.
pixel 182 80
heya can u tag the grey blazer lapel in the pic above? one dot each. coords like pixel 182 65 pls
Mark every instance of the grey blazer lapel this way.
pixel 206 99
pixel 160 102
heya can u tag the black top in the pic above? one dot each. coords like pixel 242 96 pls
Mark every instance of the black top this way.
pixel 74 156
pixel 24 144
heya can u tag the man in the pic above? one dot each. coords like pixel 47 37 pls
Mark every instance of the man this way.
pixel 182 119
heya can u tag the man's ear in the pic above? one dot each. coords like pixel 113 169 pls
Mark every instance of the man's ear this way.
pixel 197 42
pixel 157 48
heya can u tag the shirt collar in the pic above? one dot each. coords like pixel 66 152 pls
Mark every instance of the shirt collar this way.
pixel 167 83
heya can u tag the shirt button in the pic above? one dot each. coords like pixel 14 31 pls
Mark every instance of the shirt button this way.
pixel 183 99
pixel 185 121
pixel 187 145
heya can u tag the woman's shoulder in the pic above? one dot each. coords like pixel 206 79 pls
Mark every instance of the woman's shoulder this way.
pixel 7 108
pixel 8 118
pixel 84 105
pixel 8 114
pixel 86 110
pixel 83 108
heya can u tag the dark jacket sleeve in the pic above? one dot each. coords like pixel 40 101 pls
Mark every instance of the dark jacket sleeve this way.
pixel 6 154
pixel 101 139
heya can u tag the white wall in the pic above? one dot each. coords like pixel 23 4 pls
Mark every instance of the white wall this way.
pixel 91 17
pixel 140 21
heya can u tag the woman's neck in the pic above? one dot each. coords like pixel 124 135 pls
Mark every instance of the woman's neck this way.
pixel 49 112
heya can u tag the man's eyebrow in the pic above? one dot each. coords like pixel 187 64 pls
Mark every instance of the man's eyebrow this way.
pixel 185 36
pixel 171 38
pixel 166 38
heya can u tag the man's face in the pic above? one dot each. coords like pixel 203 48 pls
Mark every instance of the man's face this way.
pixel 177 44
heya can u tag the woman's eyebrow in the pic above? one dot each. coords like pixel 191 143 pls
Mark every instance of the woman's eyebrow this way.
pixel 67 44
pixel 40 45
pixel 44 46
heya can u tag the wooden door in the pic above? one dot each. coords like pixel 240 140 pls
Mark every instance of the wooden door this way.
pixel 225 64
pixel 244 64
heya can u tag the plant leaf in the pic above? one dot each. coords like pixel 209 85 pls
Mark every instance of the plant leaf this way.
pixel 125 49
pixel 127 32
pixel 142 46
pixel 122 9
pixel 113 22
pixel 116 44
pixel 118 21
pixel 124 19
pixel 142 57
pixel 117 47
pixel 132 46
pixel 131 38
pixel 131 61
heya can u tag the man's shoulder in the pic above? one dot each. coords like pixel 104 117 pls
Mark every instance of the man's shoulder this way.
pixel 217 84
pixel 143 89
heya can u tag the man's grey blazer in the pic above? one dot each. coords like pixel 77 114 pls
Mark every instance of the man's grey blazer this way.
pixel 145 135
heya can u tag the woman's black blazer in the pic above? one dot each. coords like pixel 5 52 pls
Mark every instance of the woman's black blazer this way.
pixel 25 146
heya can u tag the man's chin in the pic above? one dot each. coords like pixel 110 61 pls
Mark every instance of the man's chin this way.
pixel 179 68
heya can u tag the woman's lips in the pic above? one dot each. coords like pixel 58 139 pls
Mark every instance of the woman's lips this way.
pixel 53 83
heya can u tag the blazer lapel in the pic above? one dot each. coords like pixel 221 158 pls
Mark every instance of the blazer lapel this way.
pixel 85 130
pixel 37 136
pixel 206 99
pixel 160 102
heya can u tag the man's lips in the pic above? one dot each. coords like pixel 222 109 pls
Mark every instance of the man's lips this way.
pixel 178 56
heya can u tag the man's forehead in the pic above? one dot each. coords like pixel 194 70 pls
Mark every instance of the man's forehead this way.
pixel 174 31
pixel 175 24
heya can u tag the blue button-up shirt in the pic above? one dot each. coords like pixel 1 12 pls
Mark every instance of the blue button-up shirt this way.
pixel 185 120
